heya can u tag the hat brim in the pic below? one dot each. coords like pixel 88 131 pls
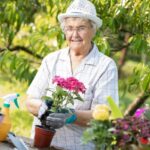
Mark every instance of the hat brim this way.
pixel 96 20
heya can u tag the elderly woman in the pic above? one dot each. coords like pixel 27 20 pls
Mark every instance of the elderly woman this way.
pixel 82 60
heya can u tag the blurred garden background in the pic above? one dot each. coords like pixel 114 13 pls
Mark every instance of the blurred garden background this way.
pixel 29 30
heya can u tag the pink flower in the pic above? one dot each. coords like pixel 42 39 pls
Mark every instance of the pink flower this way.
pixel 75 85
pixel 139 112
pixel 71 84
pixel 60 81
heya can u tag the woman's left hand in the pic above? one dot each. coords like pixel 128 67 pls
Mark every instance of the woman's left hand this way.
pixel 58 120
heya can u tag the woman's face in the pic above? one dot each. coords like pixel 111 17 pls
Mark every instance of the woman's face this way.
pixel 79 33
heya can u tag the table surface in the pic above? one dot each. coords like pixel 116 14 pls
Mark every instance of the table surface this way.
pixel 7 145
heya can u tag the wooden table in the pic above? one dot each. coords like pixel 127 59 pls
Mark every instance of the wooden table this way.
pixel 7 145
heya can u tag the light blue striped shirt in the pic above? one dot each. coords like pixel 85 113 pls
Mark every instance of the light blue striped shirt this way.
pixel 97 72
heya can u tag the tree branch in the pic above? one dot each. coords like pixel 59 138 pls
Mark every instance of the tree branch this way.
pixel 136 104
pixel 25 49
pixel 124 53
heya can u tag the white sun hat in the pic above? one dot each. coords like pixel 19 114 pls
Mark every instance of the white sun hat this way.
pixel 83 9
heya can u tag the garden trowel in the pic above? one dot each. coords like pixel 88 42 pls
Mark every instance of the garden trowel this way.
pixel 18 143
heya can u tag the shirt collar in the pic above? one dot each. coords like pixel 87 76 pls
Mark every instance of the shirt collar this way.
pixel 90 59
pixel 64 54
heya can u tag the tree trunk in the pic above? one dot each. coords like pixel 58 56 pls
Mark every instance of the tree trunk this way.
pixel 124 53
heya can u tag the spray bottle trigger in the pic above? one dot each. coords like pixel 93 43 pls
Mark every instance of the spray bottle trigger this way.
pixel 16 102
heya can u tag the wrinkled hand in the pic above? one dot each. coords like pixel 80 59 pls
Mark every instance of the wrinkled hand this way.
pixel 58 120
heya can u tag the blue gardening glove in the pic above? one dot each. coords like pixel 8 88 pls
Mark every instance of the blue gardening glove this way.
pixel 44 109
pixel 58 120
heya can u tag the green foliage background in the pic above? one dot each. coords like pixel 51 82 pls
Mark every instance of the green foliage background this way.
pixel 29 30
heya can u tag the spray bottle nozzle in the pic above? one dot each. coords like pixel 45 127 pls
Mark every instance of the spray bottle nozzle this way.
pixel 11 97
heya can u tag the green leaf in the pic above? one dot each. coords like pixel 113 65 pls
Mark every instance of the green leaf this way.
pixel 78 97
pixel 145 82
pixel 47 98
pixel 87 135
pixel 115 111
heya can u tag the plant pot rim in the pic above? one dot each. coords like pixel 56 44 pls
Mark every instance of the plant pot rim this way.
pixel 48 129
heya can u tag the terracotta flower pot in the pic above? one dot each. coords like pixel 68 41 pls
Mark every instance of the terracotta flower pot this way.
pixel 43 137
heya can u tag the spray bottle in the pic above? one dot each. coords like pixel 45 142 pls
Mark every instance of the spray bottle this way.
pixel 5 125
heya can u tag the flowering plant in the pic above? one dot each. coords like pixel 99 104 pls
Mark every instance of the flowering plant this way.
pixel 110 131
pixel 67 90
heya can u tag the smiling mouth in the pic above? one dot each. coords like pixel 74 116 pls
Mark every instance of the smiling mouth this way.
pixel 76 40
